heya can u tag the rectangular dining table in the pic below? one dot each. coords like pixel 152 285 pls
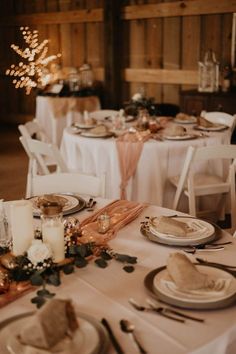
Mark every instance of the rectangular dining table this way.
pixel 104 293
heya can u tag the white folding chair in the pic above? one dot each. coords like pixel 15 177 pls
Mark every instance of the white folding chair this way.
pixel 39 152
pixel 32 129
pixel 194 185
pixel 82 184
pixel 221 118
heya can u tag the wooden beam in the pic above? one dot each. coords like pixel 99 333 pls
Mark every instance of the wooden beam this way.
pixel 112 52
pixel 161 76
pixel 178 8
pixel 48 18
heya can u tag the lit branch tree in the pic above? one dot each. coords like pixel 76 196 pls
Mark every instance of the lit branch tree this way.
pixel 30 73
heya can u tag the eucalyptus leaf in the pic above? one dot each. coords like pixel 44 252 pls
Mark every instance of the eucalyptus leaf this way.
pixel 81 250
pixel 101 263
pixel 38 300
pixel 45 293
pixel 128 269
pixel 36 279
pixel 125 258
pixel 80 262
pixel 68 269
pixel 106 256
pixel 54 279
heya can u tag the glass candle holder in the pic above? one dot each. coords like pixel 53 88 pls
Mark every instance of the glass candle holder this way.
pixel 53 230
pixel 103 223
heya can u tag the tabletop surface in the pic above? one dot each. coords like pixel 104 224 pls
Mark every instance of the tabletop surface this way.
pixel 105 293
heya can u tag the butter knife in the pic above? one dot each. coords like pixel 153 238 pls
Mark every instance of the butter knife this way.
pixel 112 337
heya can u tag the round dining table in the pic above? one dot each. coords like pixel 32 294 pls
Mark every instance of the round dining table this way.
pixel 159 161
pixel 104 293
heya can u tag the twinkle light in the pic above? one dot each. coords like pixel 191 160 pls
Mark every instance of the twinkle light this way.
pixel 30 74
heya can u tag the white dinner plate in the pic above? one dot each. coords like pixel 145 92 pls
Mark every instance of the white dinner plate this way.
pixel 90 338
pixel 73 204
pixel 180 137
pixel 88 134
pixel 223 293
pixel 200 232
pixel 215 128
pixel 85 126
pixel 190 120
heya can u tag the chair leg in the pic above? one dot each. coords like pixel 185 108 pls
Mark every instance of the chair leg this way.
pixel 192 205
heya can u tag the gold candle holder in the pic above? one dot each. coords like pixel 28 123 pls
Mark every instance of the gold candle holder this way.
pixel 103 223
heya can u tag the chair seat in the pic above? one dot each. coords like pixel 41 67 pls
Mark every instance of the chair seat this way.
pixel 199 180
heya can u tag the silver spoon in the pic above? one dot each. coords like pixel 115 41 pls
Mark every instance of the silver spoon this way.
pixel 129 328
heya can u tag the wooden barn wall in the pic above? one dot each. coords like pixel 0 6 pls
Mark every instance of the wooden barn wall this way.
pixel 162 42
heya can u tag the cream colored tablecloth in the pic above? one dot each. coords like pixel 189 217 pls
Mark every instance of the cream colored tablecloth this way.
pixel 56 113
pixel 105 293
pixel 159 160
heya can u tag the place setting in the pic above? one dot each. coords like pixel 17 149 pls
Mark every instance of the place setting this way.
pixel 177 132
pixel 191 285
pixel 39 332
pixel 205 125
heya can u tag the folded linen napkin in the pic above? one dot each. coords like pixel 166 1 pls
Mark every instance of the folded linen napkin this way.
pixel 169 226
pixel 175 130
pixel 129 147
pixel 203 122
pixel 186 278
pixel 121 213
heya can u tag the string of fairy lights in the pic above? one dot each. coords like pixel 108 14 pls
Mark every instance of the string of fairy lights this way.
pixel 29 73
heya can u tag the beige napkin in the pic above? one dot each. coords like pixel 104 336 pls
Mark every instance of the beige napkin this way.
pixel 129 147
pixel 121 212
pixel 206 123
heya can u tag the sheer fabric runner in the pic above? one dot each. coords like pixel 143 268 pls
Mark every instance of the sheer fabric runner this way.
pixel 129 148
pixel 121 213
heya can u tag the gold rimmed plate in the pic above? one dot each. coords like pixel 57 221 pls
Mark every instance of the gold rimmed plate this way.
pixel 73 203
pixel 200 232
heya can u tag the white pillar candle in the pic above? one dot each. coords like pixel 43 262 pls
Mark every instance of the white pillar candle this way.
pixel 22 228
pixel 53 234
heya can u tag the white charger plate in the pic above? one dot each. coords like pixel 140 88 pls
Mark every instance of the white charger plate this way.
pixel 216 128
pixel 88 134
pixel 202 232
pixel 181 137
pixel 85 126
pixel 90 338
pixel 157 282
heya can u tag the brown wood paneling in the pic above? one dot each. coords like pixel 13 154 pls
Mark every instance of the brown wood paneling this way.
pixel 190 39
pixel 179 8
pixel 171 55
pixel 78 37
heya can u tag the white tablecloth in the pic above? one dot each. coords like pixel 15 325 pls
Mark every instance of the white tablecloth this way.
pixel 159 161
pixel 56 113
pixel 105 293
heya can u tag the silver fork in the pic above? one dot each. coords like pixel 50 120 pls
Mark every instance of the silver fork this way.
pixel 159 310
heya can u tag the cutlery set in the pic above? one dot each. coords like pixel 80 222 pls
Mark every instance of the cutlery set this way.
pixel 90 204
pixel 206 247
pixel 129 328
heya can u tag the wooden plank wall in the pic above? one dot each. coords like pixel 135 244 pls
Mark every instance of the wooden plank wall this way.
pixel 162 42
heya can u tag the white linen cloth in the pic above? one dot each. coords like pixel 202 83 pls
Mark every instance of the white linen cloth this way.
pixel 105 293
pixel 71 109
pixel 159 160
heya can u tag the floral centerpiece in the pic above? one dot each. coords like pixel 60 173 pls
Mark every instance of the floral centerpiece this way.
pixel 36 265
pixel 139 101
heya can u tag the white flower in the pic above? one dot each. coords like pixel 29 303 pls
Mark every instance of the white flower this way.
pixel 38 252
pixel 137 97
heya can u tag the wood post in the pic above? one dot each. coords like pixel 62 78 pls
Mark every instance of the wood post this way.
pixel 112 54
